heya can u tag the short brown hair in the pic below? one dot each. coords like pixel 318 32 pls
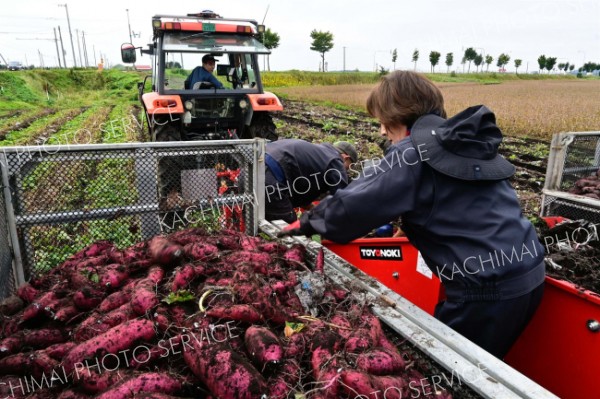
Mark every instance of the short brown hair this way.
pixel 402 97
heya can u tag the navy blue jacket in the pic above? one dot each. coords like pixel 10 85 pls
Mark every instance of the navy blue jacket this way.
pixel 471 234
pixel 310 169
pixel 199 74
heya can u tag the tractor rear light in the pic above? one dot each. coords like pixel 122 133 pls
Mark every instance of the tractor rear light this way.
pixel 243 104
pixel 173 25
pixel 188 105
pixel 266 101
pixel 165 103
pixel 244 29
pixel 156 24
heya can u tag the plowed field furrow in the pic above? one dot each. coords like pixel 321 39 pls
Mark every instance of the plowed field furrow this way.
pixel 20 124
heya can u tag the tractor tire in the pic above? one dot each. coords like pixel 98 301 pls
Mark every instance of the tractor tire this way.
pixel 262 126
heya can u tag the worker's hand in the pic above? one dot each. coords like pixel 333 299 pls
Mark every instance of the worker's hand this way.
pixel 296 229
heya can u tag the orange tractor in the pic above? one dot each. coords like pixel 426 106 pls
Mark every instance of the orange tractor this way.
pixel 177 111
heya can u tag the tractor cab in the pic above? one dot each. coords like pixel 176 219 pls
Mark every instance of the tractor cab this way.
pixel 189 101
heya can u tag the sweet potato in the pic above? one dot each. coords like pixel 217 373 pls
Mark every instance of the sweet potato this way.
pixel 391 386
pixel 113 276
pixel 272 248
pixel 380 361
pixel 281 386
pixel 95 249
pixel 72 394
pixel 44 337
pixel 92 382
pixel 163 251
pixel 144 297
pixel 201 251
pixel 295 256
pixel 112 341
pixel 185 275
pixel 12 386
pixel 12 344
pixel 27 293
pixel 245 313
pixel 11 305
pixel 29 363
pixel 359 384
pixel 117 298
pixel 146 382
pixel 87 298
pixel 262 346
pixel 224 372
pixel 58 351
pixel 325 372
pixel 320 261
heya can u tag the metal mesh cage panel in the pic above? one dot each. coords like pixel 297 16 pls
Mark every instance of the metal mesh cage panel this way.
pixel 574 157
pixel 64 200
pixel 7 281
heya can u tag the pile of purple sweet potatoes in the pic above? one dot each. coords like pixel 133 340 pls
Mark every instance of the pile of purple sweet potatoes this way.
pixel 588 186
pixel 193 315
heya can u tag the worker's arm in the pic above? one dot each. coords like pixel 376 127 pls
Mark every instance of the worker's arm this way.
pixel 371 200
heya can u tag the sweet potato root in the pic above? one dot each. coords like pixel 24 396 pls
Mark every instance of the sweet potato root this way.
pixel 87 298
pixel 146 382
pixel 164 252
pixel 380 361
pixel 11 305
pixel 262 346
pixel 245 313
pixel 114 340
pixel 224 372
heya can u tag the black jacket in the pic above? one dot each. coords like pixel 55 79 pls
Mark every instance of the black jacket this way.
pixel 310 169
pixel 471 234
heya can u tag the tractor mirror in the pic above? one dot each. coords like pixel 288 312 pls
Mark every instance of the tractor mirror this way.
pixel 223 69
pixel 128 53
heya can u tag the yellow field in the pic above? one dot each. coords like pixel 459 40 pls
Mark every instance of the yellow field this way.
pixel 536 108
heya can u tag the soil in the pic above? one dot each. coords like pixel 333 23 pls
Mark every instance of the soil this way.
pixel 580 263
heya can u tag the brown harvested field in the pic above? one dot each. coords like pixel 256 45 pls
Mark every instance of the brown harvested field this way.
pixel 535 108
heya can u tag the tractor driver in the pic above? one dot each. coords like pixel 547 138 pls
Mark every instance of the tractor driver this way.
pixel 202 74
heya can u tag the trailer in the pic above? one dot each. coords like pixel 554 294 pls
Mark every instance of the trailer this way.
pixel 56 200
pixel 561 345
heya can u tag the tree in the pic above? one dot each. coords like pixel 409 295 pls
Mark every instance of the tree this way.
pixel 415 57
pixel 488 60
pixel 561 66
pixel 518 63
pixel 571 67
pixel 541 62
pixel 550 62
pixel 322 43
pixel 271 40
pixel 449 60
pixel 470 55
pixel 434 58
pixel 394 57
pixel 503 60
pixel 566 68
pixel 478 60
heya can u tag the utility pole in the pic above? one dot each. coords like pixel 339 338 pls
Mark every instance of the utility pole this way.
pixel 94 49
pixel 62 47
pixel 129 26
pixel 344 58
pixel 79 48
pixel 70 34
pixel 41 59
pixel 87 64
pixel 57 51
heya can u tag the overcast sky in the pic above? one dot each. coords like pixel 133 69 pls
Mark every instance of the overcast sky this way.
pixel 365 32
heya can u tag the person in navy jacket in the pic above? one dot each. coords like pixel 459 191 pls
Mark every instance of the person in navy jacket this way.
pixel 446 181
pixel 298 172
pixel 203 73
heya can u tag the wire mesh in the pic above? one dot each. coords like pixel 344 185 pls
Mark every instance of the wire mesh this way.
pixel 64 200
pixel 574 160
pixel 7 281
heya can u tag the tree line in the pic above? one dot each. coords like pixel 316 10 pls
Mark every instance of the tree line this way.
pixel 322 42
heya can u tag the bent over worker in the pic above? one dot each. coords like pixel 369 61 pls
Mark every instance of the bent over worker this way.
pixel 447 182
pixel 298 172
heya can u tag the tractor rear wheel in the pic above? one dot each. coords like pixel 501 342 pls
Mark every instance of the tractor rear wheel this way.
pixel 262 126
